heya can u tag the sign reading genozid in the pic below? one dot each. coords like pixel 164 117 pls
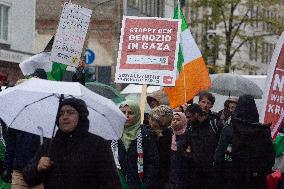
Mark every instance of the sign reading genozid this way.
pixel 148 51
pixel 273 111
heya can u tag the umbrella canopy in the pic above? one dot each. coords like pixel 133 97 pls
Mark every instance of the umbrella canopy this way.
pixel 231 84
pixel 106 91
pixel 32 107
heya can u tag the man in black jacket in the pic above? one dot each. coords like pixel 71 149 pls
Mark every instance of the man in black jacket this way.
pixel 202 143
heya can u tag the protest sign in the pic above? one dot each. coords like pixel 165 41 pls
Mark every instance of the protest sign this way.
pixel 71 33
pixel 148 51
pixel 273 111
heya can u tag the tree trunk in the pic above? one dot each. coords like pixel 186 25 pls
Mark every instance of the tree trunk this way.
pixel 228 62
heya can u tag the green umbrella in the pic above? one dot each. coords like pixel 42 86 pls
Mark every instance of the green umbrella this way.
pixel 106 91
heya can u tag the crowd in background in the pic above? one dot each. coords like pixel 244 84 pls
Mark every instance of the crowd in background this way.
pixel 189 147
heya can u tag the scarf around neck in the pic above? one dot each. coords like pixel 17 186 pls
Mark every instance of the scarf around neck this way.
pixel 130 132
pixel 179 132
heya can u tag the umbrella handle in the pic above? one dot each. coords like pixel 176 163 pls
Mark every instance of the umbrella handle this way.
pixel 41 134
pixel 54 127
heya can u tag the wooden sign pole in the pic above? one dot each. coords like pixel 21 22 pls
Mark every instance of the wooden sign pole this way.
pixel 143 101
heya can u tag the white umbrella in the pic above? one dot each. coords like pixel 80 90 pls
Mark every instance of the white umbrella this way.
pixel 32 107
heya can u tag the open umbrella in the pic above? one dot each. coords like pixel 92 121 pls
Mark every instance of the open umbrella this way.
pixel 32 107
pixel 106 91
pixel 231 84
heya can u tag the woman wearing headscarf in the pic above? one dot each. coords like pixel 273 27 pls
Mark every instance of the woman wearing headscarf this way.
pixel 75 158
pixel 252 154
pixel 135 154
pixel 179 170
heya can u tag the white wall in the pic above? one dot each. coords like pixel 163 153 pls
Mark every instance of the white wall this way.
pixel 169 9
pixel 21 24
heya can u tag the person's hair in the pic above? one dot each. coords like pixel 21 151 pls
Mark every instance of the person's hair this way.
pixel 246 109
pixel 160 111
pixel 230 100
pixel 207 95
pixel 194 108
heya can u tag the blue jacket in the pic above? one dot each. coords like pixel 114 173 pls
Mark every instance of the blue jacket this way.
pixel 20 149
pixel 128 161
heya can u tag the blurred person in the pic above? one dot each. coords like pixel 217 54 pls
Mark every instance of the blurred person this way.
pixel 20 149
pixel 229 107
pixel 160 119
pixel 135 154
pixel 74 158
pixel 202 143
pixel 179 177
pixel 3 80
pixel 278 145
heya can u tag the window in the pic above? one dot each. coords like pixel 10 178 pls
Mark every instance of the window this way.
pixel 4 10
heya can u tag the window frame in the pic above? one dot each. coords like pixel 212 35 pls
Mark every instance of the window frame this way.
pixel 8 5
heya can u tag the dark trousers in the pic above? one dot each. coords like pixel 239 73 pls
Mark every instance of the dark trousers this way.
pixel 203 178
pixel 248 182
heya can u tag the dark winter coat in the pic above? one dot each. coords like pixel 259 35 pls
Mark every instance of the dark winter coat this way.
pixel 246 174
pixel 80 161
pixel 128 161
pixel 203 142
pixel 20 149
pixel 224 141
pixel 180 164
pixel 164 147
pixel 242 177
pixel 223 158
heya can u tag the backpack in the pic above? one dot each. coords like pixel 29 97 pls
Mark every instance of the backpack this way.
pixel 252 150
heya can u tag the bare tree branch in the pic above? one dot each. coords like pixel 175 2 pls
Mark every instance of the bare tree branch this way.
pixel 247 39
pixel 238 26
pixel 224 19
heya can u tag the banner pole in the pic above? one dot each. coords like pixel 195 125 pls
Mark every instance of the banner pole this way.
pixel 184 76
pixel 143 101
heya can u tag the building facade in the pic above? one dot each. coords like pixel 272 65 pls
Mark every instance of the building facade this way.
pixel 17 30
pixel 254 55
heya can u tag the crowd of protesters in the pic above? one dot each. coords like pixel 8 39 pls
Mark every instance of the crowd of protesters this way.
pixel 189 147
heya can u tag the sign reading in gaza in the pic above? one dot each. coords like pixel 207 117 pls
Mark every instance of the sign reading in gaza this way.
pixel 148 51
pixel 274 92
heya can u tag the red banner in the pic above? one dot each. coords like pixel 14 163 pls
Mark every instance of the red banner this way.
pixel 274 93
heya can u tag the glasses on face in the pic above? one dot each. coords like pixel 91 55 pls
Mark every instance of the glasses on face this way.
pixel 67 112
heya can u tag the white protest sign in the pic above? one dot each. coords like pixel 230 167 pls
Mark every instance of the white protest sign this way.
pixel 71 33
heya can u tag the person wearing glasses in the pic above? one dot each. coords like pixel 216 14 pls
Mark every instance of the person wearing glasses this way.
pixel 74 158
